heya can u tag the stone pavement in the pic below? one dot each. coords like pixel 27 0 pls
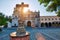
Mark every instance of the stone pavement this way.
pixel 48 33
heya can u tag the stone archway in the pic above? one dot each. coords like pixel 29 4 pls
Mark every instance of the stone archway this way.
pixel 49 24
pixel 59 22
pixel 42 24
pixel 29 23
pixel 53 24
pixel 46 24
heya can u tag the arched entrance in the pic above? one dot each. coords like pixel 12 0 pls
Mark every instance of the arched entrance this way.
pixel 42 24
pixel 29 23
pixel 46 24
pixel 59 22
pixel 53 24
pixel 49 24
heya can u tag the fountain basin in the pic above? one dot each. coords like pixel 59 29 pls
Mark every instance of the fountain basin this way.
pixel 13 36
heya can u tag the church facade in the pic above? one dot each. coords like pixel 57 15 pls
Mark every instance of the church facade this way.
pixel 30 18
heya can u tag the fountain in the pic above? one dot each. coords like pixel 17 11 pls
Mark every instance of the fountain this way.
pixel 21 33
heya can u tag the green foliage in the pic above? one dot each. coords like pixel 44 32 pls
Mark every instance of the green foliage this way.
pixel 58 13
pixel 3 19
pixel 51 5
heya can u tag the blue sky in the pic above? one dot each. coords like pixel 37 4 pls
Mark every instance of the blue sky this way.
pixel 7 7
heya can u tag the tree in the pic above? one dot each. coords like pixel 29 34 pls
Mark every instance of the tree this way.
pixel 2 19
pixel 10 19
pixel 7 18
pixel 51 5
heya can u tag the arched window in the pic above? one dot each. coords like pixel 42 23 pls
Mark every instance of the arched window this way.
pixel 48 18
pixel 59 18
pixel 55 18
pixel 42 19
pixel 52 19
pixel 45 19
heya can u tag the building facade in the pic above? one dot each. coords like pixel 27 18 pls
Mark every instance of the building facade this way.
pixel 30 18
pixel 50 21
pixel 33 19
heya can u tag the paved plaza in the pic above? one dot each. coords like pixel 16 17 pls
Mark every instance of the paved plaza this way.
pixel 48 33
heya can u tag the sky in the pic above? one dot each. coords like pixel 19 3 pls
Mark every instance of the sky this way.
pixel 7 7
